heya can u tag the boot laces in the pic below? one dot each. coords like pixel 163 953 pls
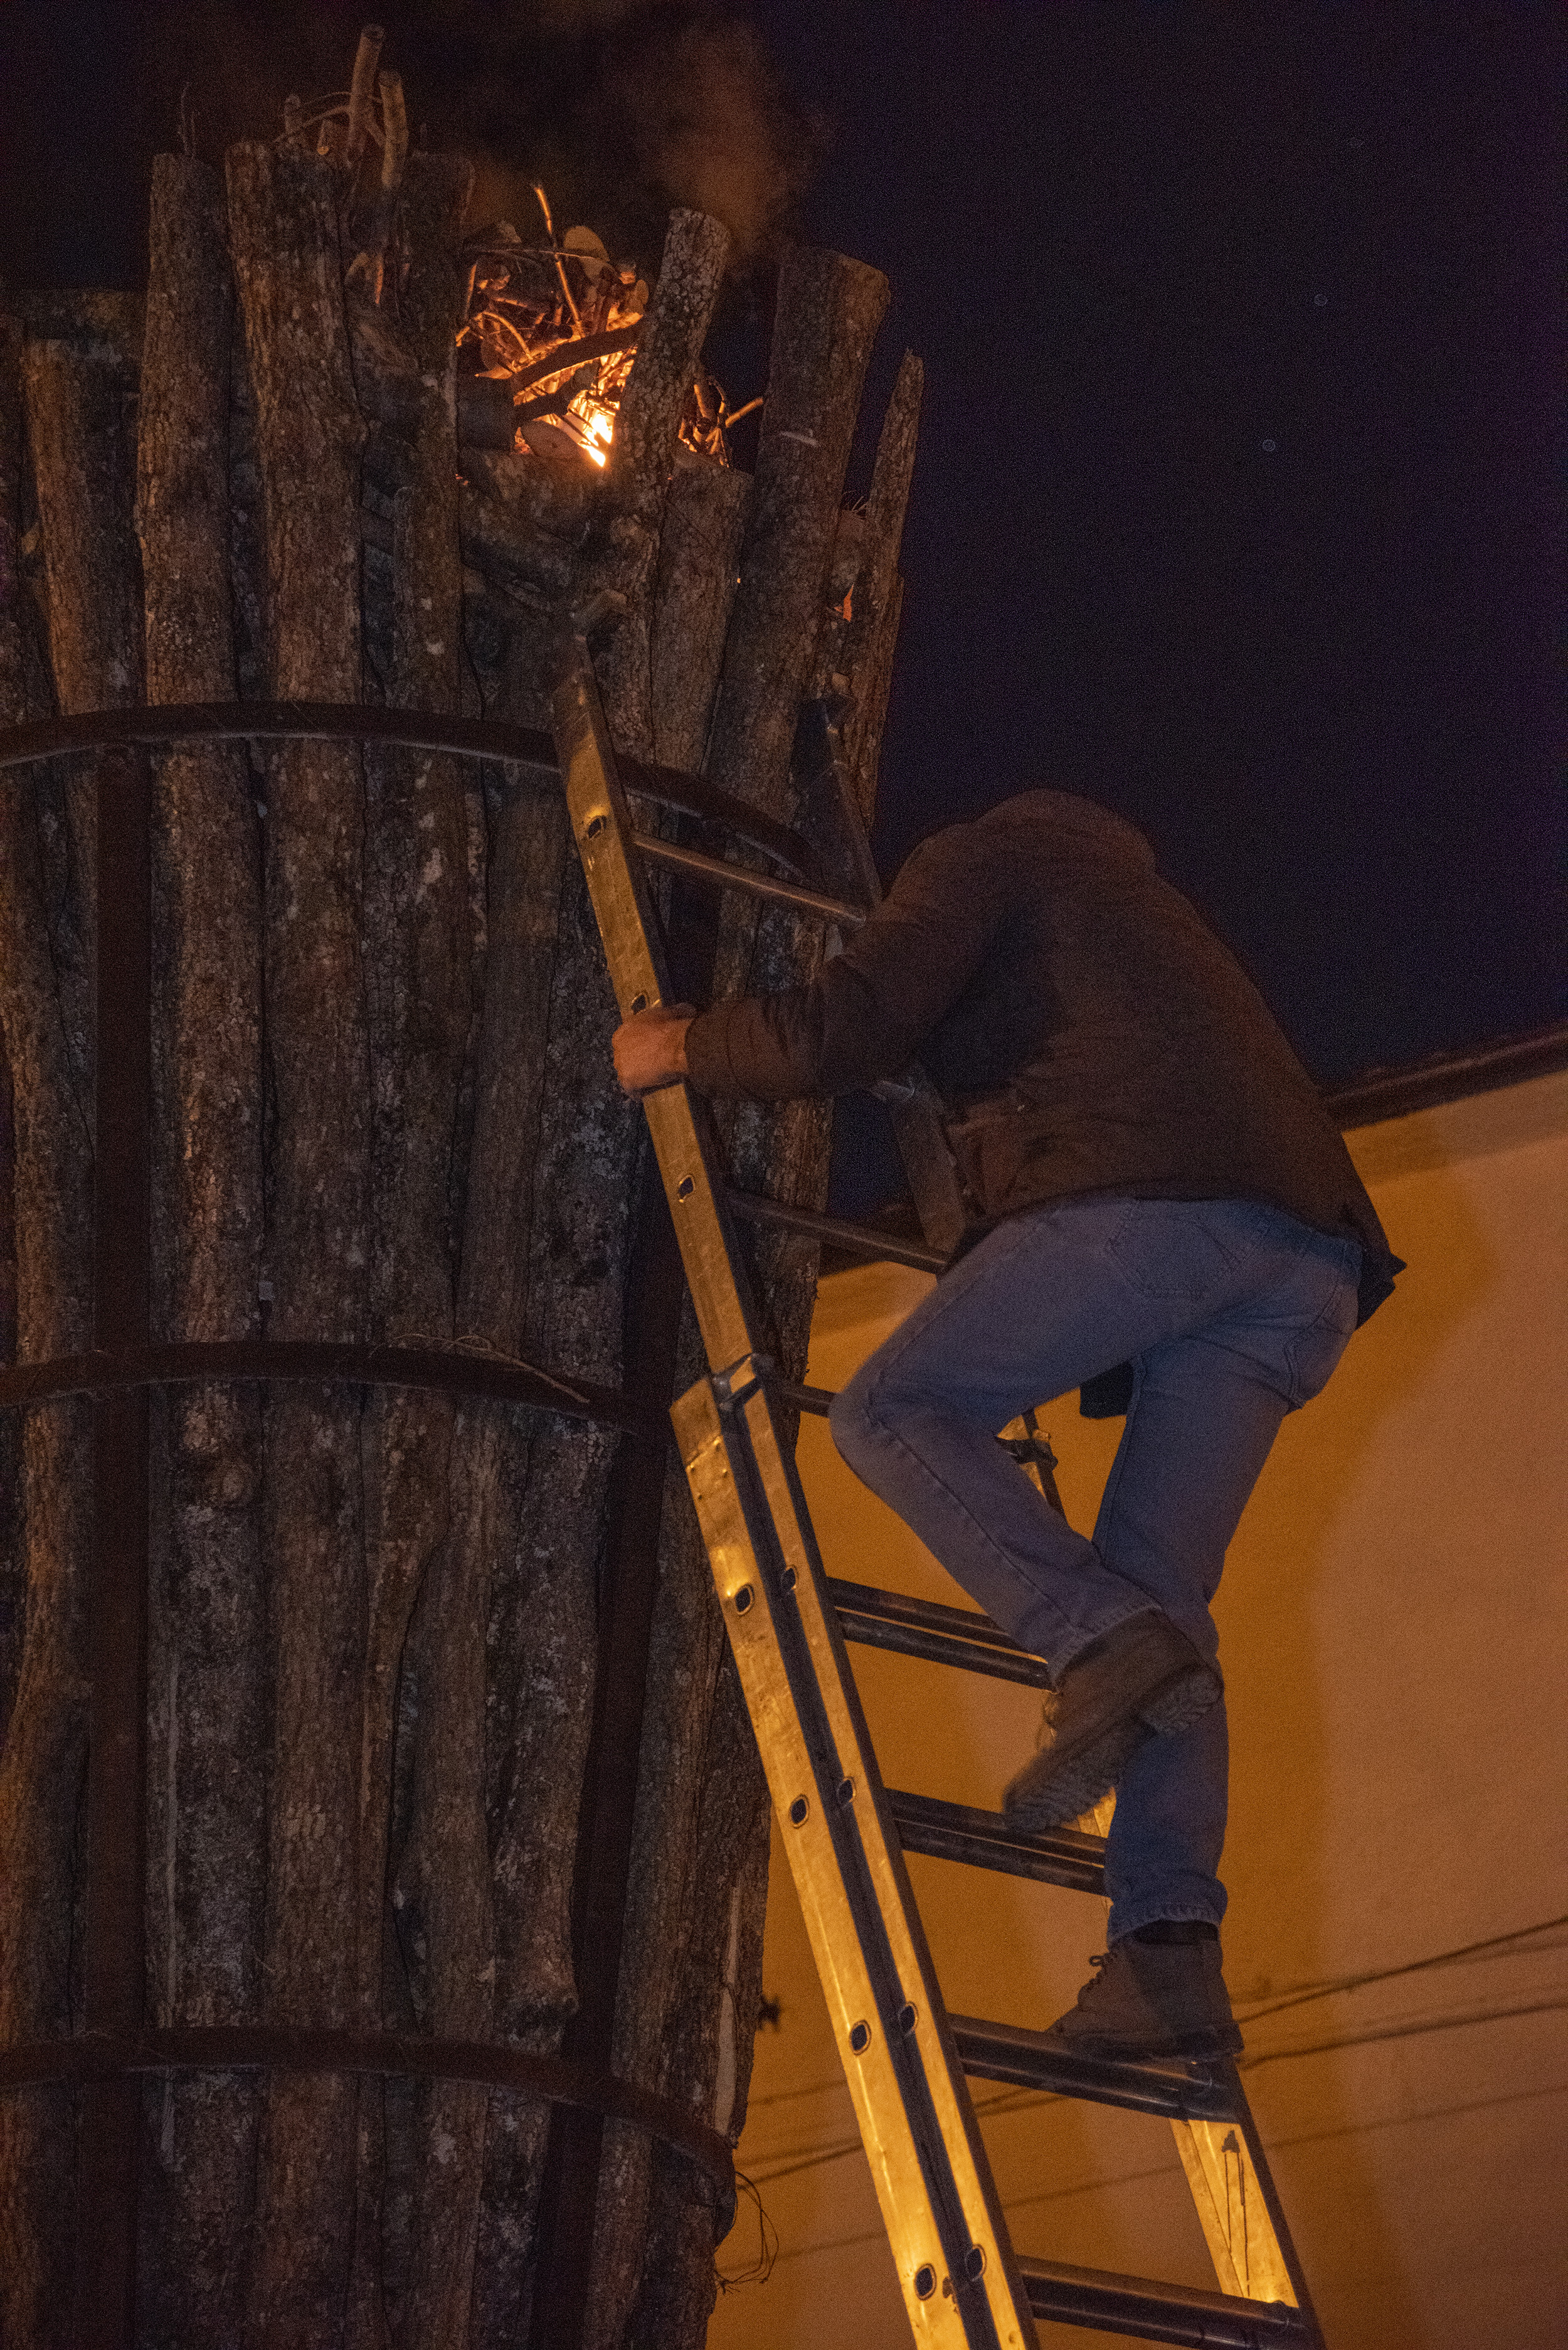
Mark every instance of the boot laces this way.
pixel 1100 1960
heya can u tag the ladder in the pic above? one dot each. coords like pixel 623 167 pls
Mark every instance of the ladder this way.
pixel 907 2061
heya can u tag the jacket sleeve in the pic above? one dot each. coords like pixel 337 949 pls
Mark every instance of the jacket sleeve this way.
pixel 873 1004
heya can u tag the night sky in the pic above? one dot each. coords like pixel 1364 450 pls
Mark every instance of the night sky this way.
pixel 1239 497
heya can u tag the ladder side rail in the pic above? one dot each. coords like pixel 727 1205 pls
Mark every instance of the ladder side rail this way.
pixel 602 829
pixel 696 1190
pixel 941 2218
pixel 878 1833
pixel 1242 2221
pixel 1244 2210
pixel 826 805
pixel 1201 2147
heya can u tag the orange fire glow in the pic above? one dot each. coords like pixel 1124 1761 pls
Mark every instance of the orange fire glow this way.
pixel 566 301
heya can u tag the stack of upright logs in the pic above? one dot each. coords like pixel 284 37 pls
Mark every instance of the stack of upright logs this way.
pixel 390 1658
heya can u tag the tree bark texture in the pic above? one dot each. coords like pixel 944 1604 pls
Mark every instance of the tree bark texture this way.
pixel 70 388
pixel 207 1693
pixel 379 1716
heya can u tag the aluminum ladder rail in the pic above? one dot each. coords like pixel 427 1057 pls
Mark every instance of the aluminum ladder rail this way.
pixel 905 2061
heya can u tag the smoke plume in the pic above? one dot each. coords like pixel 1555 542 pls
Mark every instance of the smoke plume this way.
pixel 621 108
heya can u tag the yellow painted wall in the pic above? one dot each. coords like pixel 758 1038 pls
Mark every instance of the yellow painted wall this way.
pixel 1393 1621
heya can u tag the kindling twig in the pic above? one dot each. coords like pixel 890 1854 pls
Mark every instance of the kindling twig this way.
pixel 560 264
pixel 361 89
pixel 395 126
pixel 372 262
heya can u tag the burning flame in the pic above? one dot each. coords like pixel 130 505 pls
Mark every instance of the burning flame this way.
pixel 599 426
pixel 566 301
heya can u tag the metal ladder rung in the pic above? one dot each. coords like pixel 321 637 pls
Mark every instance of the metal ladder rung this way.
pixel 745 877
pixel 1174 2089
pixel 989 1840
pixel 854 1240
pixel 960 1636
pixel 1165 2312
pixel 818 1401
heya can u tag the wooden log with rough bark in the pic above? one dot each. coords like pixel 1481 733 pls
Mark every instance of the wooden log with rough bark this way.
pixel 625 553
pixel 699 560
pixel 206 1677
pixel 388 1739
pixel 426 1579
pixel 72 383
pixel 877 591
pixel 284 238
pixel 829 308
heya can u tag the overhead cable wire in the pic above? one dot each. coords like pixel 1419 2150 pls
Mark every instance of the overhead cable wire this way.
pixel 1172 2170
pixel 1017 2101
pixel 1400 2031
pixel 1495 1946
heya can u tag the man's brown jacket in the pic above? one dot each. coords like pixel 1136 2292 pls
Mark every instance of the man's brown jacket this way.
pixel 1087 1030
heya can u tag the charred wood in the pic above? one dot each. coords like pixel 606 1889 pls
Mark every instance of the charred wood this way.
pixel 486 415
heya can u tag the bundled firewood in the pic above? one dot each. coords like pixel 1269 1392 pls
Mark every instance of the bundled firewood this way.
pixel 384 1111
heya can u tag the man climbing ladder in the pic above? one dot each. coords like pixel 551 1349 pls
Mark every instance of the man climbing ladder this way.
pixel 1162 1213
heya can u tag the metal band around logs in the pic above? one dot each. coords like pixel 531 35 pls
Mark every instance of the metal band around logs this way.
pixel 447 1370
pixel 233 2048
pixel 123 1364
pixel 492 740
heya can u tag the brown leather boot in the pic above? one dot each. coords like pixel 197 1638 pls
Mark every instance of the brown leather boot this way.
pixel 1159 1999
pixel 1144 1678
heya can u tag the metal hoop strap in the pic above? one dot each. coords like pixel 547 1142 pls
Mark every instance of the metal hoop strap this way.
pixel 272 2048
pixel 447 1371
pixel 489 739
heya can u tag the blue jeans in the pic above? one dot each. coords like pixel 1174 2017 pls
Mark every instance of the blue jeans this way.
pixel 1232 1314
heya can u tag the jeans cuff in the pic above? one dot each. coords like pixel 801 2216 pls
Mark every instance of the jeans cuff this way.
pixel 1127 1917
pixel 1062 1657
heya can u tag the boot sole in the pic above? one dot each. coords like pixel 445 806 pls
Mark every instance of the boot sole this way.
pixel 1076 1782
